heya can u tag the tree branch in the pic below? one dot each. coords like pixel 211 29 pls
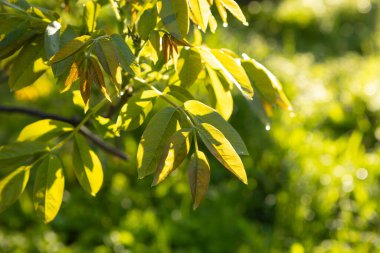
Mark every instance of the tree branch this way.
pixel 73 121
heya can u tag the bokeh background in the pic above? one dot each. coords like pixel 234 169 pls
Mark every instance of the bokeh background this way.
pixel 313 177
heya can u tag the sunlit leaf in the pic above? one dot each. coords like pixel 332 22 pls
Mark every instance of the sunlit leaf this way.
pixel 222 11
pixel 28 66
pixel 87 166
pixel 44 130
pixel 178 92
pixel 110 63
pixel 85 86
pixel 200 10
pixel 91 10
pixel 212 23
pixel 48 188
pixel 235 10
pixel 20 151
pixel 189 66
pixel 199 177
pixel 175 151
pixel 266 83
pixel 74 74
pixel 205 114
pixel 234 72
pixel 160 128
pixel 12 185
pixel 222 149
pixel 135 111
pixel 71 48
pixel 224 103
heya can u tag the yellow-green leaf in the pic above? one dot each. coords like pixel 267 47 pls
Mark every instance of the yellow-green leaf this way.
pixel 222 11
pixel 20 151
pixel 223 100
pixel 175 15
pixel 160 128
pixel 234 72
pixel 235 10
pixel 44 130
pixel 71 48
pixel 200 10
pixel 87 166
pixel 48 188
pixel 28 66
pixel 91 10
pixel 202 113
pixel 189 66
pixel 12 185
pixel 266 83
pixel 111 64
pixel 135 111
pixel 199 177
pixel 181 9
pixel 222 149
pixel 147 22
pixel 73 75
pixel 175 151
pixel 85 86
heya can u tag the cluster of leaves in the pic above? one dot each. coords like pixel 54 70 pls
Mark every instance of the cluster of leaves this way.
pixel 149 59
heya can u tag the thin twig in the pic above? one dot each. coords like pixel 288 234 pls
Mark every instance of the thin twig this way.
pixel 73 121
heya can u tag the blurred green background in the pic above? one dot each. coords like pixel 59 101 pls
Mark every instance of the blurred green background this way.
pixel 313 177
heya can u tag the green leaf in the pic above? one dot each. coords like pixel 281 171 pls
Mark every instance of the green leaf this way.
pixel 200 11
pixel 160 128
pixel 175 15
pixel 44 130
pixel 266 83
pixel 124 54
pixel 175 151
pixel 52 38
pixel 87 166
pixel 222 96
pixel 222 150
pixel 189 66
pixel 178 92
pixel 110 62
pixel 147 22
pixel 205 114
pixel 28 65
pixel 233 72
pixel 12 185
pixel 91 10
pixel 199 177
pixel 20 151
pixel 97 77
pixel 48 188
pixel 134 112
pixel 71 48
pixel 235 10
pixel 15 39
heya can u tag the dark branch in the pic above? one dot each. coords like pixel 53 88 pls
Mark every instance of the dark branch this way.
pixel 73 121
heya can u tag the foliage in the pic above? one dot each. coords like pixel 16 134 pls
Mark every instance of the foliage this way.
pixel 313 178
pixel 154 53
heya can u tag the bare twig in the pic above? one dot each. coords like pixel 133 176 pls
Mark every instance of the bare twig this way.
pixel 73 121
